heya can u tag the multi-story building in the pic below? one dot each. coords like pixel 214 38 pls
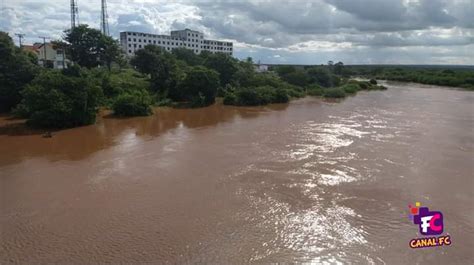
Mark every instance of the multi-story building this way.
pixel 189 39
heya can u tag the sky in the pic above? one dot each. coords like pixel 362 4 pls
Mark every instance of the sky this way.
pixel 279 32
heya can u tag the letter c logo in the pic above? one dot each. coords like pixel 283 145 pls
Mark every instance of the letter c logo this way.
pixel 433 226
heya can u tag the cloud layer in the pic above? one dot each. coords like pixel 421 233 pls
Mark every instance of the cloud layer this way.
pixel 298 31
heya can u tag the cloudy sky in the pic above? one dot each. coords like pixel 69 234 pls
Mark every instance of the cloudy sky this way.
pixel 298 31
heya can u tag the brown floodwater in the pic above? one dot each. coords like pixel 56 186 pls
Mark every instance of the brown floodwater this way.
pixel 309 181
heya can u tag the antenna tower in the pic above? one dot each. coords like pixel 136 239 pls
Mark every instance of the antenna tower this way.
pixel 74 14
pixel 104 19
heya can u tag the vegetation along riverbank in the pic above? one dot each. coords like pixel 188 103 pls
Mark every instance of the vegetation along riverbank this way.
pixel 101 76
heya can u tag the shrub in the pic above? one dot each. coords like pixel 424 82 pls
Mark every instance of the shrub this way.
pixel 350 88
pixel 364 85
pixel 314 90
pixel 280 96
pixel 116 83
pixel 291 90
pixel 230 99
pixel 373 81
pixel 253 96
pixel 133 103
pixel 335 92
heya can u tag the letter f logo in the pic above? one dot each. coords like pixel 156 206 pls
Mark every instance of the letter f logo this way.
pixel 431 223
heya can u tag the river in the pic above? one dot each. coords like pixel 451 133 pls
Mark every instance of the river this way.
pixel 308 181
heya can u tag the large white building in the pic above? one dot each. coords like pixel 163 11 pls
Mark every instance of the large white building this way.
pixel 189 39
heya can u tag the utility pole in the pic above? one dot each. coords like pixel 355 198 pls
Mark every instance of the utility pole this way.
pixel 44 49
pixel 20 37
pixel 104 19
pixel 74 14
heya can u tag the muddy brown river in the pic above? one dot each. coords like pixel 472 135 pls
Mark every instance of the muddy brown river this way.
pixel 309 181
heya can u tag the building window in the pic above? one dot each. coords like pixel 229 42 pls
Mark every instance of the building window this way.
pixel 139 40
pixel 154 42
pixel 129 51
pixel 139 46
pixel 134 45
pixel 129 45
pixel 134 39
pixel 129 39
pixel 159 42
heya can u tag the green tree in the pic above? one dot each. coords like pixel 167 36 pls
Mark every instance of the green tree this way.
pixel 320 76
pixel 285 69
pixel 60 100
pixel 109 52
pixel 297 78
pixel 187 56
pixel 224 64
pixel 161 66
pixel 89 48
pixel 16 70
pixel 244 74
pixel 339 68
pixel 200 82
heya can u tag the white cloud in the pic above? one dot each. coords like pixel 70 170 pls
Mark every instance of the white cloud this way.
pixel 304 31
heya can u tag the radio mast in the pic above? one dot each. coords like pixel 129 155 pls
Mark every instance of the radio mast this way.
pixel 104 19
pixel 74 14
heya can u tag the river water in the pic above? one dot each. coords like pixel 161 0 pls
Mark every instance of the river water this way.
pixel 309 181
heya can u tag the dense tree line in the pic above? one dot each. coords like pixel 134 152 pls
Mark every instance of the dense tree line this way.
pixel 442 76
pixel 100 76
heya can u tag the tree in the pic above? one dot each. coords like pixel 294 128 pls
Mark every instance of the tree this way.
pixel 187 56
pixel 90 48
pixel 16 70
pixel 200 82
pixel 297 78
pixel 224 64
pixel 285 69
pixel 109 51
pixel 245 73
pixel 161 66
pixel 320 76
pixel 57 99
pixel 339 68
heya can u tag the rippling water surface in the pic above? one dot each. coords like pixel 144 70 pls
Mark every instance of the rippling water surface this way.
pixel 310 181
